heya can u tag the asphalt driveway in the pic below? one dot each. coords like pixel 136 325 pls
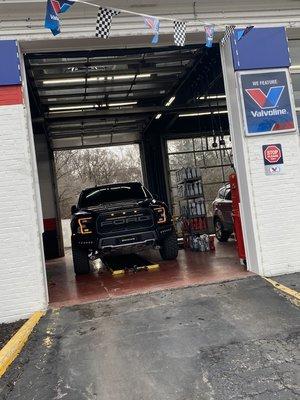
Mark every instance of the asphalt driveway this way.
pixel 237 340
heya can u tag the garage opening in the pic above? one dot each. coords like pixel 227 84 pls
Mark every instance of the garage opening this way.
pixel 153 115
pixel 83 168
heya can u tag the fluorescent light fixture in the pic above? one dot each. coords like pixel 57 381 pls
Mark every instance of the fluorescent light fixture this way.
pixel 170 101
pixel 95 79
pixel 221 112
pixel 83 106
pixel 202 113
pixel 212 97
pixel 193 114
pixel 127 103
pixel 158 116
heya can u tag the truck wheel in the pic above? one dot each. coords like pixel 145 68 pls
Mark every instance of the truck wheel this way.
pixel 80 261
pixel 221 234
pixel 169 247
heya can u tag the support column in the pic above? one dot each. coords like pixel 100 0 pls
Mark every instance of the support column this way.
pixel 52 236
pixel 23 286
pixel 270 193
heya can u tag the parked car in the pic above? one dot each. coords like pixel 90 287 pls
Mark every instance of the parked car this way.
pixel 222 214
pixel 118 217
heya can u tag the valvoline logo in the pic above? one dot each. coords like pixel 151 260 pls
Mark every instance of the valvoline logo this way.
pixel 269 100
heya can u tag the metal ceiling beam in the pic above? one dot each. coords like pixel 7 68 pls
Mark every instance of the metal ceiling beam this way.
pixel 108 84
pixel 113 52
pixel 157 89
pixel 88 125
pixel 94 73
pixel 114 112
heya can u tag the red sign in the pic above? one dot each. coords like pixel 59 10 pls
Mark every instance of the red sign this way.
pixel 272 154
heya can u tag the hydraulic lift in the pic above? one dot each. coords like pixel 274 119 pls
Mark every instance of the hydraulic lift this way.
pixel 120 264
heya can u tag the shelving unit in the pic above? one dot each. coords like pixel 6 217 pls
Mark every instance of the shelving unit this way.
pixel 193 214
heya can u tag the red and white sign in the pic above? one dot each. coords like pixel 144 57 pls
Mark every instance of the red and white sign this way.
pixel 272 154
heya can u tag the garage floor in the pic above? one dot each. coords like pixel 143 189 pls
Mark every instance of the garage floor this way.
pixel 189 269
pixel 236 340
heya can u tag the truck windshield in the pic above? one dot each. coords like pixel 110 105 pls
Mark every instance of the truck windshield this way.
pixel 96 196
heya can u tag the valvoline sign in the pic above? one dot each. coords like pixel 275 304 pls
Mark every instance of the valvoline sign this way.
pixel 267 105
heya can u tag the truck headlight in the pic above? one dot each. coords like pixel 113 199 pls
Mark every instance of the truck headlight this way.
pixel 160 213
pixel 85 226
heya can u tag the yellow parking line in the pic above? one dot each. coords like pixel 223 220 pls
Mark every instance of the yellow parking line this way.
pixel 285 289
pixel 14 346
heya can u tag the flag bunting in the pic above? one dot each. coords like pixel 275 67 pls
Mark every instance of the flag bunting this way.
pixel 153 23
pixel 179 33
pixel 228 32
pixel 209 33
pixel 53 8
pixel 243 32
pixel 104 20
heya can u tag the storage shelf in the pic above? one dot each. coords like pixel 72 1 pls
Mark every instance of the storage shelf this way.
pixel 193 216
pixel 187 180
pixel 196 196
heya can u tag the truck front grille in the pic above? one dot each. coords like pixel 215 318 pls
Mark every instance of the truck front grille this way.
pixel 134 220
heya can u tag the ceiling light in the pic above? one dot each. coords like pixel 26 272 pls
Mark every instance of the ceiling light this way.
pixel 170 101
pixel 221 112
pixel 95 79
pixel 68 80
pixel 193 114
pixel 80 107
pixel 128 103
pixel 213 96
pixel 158 116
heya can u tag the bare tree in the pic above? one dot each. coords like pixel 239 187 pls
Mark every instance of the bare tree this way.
pixel 78 169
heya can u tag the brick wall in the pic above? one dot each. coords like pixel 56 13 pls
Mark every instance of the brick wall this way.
pixel 270 207
pixel 22 283
pixel 23 287
pixel 276 202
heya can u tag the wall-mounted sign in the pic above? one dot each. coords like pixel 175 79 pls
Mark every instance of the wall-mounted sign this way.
pixel 267 102
pixel 273 159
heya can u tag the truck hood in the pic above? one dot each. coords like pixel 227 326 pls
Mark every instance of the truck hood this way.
pixel 119 205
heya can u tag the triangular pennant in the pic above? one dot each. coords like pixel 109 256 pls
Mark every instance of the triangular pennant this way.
pixel 104 20
pixel 228 32
pixel 153 23
pixel 53 8
pixel 179 33
pixel 209 33
pixel 245 32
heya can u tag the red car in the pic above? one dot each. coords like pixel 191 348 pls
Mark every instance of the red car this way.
pixel 222 214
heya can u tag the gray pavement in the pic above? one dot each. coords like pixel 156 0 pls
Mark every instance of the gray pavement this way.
pixel 236 340
pixel 291 280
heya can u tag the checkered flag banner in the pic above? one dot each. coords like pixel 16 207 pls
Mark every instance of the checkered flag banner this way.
pixel 104 19
pixel 179 33
pixel 228 32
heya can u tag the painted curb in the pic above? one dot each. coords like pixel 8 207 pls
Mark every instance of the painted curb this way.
pixel 15 345
pixel 290 292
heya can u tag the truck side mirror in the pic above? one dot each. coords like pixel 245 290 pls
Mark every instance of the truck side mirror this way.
pixel 73 210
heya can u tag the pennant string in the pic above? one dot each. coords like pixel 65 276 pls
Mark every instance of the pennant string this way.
pixel 126 11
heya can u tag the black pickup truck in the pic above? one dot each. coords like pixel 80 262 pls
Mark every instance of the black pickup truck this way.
pixel 118 218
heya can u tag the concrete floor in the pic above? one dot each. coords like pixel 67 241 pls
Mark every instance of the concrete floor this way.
pixel 190 268
pixel 236 340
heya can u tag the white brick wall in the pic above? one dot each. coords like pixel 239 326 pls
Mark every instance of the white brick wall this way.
pixel 276 201
pixel 22 272
pixel 270 207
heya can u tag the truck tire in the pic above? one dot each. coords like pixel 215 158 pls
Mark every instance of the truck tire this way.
pixel 80 261
pixel 220 232
pixel 169 247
